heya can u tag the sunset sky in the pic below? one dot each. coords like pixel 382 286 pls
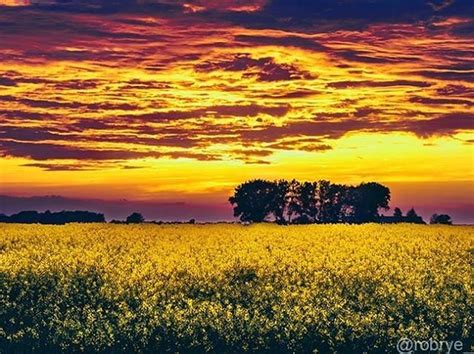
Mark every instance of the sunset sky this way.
pixel 169 101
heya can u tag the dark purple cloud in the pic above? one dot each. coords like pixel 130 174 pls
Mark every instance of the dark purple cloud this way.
pixel 446 75
pixel 5 81
pixel 442 125
pixel 456 90
pixel 39 103
pixel 284 41
pixel 264 69
pixel 308 11
pixel 251 110
pixel 441 101
pixel 367 83
pixel 48 151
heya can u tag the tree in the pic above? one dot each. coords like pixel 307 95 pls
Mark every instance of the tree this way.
pixel 365 201
pixel 279 204
pixel 292 201
pixel 443 219
pixel 413 217
pixel 309 202
pixel 25 217
pixel 397 214
pixel 304 205
pixel 56 218
pixel 330 199
pixel 255 200
pixel 135 218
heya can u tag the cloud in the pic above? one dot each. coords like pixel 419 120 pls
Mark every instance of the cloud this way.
pixel 250 110
pixel 30 134
pixel 446 75
pixel 48 151
pixel 52 167
pixel 264 69
pixel 456 90
pixel 307 11
pixel 283 41
pixel 442 125
pixel 224 78
pixel 367 83
pixel 441 101
pixel 290 94
pixel 5 81
pixel 40 103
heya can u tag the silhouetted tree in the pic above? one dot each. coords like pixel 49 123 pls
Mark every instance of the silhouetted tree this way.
pixel 192 221
pixel 25 217
pixel 303 206
pixel 397 215
pixel 413 217
pixel 330 200
pixel 279 203
pixel 56 218
pixel 364 202
pixel 309 202
pixel 292 200
pixel 254 201
pixel 441 219
pixel 135 218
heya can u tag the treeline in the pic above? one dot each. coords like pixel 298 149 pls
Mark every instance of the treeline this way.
pixel 53 218
pixel 294 202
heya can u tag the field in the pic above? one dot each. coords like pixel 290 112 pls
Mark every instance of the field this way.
pixel 231 288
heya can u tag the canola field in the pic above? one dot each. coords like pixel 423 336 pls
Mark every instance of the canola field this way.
pixel 231 288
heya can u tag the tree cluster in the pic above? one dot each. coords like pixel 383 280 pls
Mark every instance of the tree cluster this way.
pixel 137 218
pixel 442 219
pixel 294 202
pixel 53 218
pixel 411 217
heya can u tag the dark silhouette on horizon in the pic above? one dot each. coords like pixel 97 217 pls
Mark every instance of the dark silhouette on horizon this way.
pixel 53 218
pixel 321 202
pixel 135 218
pixel 412 217
pixel 442 219
pixel 283 202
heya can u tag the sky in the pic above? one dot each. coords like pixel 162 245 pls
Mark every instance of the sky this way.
pixel 161 102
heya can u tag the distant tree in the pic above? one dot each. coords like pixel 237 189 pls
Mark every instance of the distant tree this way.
pixel 135 218
pixel 292 201
pixel 280 200
pixel 413 217
pixel 56 218
pixel 254 201
pixel 303 206
pixel 192 221
pixel 25 217
pixel 309 202
pixel 330 200
pixel 397 214
pixel 412 213
pixel 441 219
pixel 365 201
